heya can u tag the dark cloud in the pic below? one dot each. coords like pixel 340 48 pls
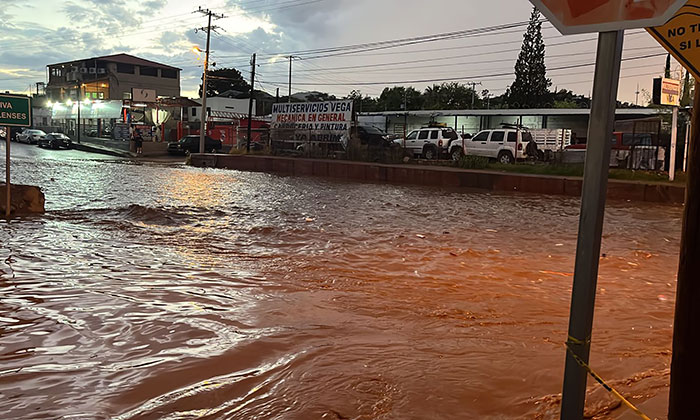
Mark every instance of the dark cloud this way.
pixel 153 5
pixel 305 22
pixel 168 38
pixel 75 12
pixel 101 13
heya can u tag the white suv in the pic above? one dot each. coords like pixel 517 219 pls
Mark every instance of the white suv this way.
pixel 504 145
pixel 431 142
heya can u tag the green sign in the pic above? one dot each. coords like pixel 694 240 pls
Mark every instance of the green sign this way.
pixel 15 111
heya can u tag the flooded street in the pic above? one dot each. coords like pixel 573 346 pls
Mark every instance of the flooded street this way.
pixel 160 291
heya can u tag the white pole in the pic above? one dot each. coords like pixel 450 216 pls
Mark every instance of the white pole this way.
pixel 687 144
pixel 674 141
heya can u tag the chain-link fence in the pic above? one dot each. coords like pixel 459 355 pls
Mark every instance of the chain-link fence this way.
pixel 320 145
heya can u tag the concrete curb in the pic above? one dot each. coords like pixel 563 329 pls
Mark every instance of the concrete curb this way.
pixel 93 149
pixel 438 176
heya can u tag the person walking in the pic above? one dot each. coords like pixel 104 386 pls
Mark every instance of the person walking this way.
pixel 138 140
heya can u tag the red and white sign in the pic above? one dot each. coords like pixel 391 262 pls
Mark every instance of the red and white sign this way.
pixel 670 92
pixel 581 16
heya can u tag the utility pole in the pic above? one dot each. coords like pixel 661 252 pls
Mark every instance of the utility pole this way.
pixel 80 94
pixel 405 116
pixel 473 85
pixel 203 116
pixel 685 364
pixel 250 102
pixel 291 58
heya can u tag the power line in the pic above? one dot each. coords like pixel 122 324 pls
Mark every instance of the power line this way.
pixel 450 79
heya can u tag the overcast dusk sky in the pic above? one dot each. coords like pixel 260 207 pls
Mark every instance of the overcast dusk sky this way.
pixel 34 33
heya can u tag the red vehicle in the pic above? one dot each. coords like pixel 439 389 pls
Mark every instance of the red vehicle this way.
pixel 631 151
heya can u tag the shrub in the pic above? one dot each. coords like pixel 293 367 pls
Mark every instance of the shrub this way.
pixel 473 162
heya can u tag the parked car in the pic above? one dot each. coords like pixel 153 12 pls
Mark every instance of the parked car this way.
pixel 30 136
pixel 504 145
pixel 190 144
pixel 55 141
pixel 432 142
pixel 371 136
pixel 367 135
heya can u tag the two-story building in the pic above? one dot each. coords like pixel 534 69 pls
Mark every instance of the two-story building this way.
pixel 92 95
pixel 110 77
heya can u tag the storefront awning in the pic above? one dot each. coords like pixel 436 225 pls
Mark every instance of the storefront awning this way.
pixel 88 110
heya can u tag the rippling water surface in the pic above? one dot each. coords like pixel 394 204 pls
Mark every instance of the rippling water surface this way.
pixel 158 291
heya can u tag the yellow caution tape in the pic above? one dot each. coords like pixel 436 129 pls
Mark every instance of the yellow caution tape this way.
pixel 598 379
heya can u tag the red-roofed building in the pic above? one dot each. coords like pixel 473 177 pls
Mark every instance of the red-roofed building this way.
pixel 112 77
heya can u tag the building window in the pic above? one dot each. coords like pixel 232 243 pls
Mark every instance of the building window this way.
pixel 56 72
pixel 168 73
pixel 194 112
pixel 125 68
pixel 149 71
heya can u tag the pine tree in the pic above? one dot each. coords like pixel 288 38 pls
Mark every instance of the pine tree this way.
pixel 531 86
pixel 686 98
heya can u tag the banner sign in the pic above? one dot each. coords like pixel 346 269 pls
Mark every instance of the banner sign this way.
pixel 670 92
pixel 15 111
pixel 312 121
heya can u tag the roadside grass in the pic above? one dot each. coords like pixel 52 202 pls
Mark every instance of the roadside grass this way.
pixel 577 171
pixel 539 169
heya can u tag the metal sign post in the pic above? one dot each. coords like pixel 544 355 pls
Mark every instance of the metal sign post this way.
pixel 8 197
pixel 595 186
pixel 15 111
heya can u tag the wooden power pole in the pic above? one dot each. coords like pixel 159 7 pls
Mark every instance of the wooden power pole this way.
pixel 203 116
pixel 250 103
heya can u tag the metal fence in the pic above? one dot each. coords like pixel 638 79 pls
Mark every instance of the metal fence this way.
pixel 310 144
pixel 642 145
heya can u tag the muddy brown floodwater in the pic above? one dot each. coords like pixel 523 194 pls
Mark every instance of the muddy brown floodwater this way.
pixel 156 291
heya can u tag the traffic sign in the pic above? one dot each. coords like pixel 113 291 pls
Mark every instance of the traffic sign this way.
pixel 15 111
pixel 681 36
pixel 581 16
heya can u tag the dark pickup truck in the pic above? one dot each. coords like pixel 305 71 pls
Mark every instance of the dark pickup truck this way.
pixel 190 144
